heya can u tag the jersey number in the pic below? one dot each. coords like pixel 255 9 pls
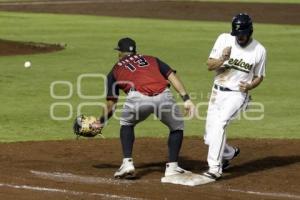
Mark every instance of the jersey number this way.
pixel 142 62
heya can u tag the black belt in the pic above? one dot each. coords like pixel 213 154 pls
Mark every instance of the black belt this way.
pixel 221 88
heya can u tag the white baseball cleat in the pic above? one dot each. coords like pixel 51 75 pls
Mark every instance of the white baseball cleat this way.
pixel 176 175
pixel 127 170
pixel 172 168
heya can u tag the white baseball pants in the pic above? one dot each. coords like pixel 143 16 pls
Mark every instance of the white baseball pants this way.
pixel 223 106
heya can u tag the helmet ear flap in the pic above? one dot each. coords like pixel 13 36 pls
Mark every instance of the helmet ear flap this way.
pixel 251 32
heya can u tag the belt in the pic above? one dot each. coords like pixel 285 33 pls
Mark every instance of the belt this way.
pixel 146 94
pixel 221 88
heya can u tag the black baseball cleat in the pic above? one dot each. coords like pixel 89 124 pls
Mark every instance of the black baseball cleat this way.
pixel 212 176
pixel 226 163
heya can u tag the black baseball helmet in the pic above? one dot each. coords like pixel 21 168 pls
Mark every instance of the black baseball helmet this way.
pixel 242 25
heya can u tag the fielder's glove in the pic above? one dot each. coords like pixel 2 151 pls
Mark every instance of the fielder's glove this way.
pixel 87 126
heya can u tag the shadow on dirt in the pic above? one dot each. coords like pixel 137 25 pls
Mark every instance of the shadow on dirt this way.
pixel 144 169
pixel 260 165
pixel 198 166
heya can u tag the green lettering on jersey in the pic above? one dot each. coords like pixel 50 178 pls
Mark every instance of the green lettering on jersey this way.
pixel 239 64
pixel 243 64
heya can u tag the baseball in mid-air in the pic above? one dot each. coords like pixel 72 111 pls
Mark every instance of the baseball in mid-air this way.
pixel 27 64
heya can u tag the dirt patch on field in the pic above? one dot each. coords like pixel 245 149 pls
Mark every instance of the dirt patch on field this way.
pixel 265 169
pixel 8 48
pixel 211 11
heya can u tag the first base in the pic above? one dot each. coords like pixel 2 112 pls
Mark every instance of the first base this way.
pixel 189 179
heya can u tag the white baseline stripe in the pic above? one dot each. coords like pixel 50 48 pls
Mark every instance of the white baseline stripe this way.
pixel 68 177
pixel 285 195
pixel 72 192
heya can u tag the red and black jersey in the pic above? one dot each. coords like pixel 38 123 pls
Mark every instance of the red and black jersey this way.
pixel 145 74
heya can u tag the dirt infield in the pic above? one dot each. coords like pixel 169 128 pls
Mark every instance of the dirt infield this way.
pixel 11 48
pixel 265 169
pixel 211 11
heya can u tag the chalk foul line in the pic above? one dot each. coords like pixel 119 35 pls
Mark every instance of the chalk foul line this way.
pixel 71 192
pixel 68 177
pixel 270 194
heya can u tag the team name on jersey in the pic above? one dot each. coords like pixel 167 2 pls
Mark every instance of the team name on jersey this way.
pixel 239 64
pixel 134 58
pixel 132 62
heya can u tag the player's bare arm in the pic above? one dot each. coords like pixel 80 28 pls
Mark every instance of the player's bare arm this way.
pixel 175 81
pixel 179 87
pixel 245 87
pixel 215 64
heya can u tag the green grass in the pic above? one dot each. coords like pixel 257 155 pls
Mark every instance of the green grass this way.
pixel 185 45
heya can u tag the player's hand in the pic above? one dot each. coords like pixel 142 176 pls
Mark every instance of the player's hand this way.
pixel 226 53
pixel 189 108
pixel 224 67
pixel 244 87
pixel 97 126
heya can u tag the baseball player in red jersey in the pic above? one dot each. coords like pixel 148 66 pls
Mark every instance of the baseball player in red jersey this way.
pixel 145 80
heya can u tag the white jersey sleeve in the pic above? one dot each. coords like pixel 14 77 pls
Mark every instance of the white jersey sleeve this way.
pixel 244 62
pixel 218 47
pixel 260 68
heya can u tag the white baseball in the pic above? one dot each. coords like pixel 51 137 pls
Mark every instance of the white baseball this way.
pixel 27 64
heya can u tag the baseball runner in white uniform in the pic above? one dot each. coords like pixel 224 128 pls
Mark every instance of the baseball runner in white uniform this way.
pixel 239 63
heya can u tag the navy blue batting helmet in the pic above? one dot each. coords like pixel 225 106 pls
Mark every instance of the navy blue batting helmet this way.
pixel 242 25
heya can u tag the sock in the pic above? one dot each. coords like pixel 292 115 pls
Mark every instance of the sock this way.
pixel 127 140
pixel 127 160
pixel 174 144
pixel 172 165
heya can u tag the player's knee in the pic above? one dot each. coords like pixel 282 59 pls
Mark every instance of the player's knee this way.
pixel 177 126
pixel 220 123
pixel 126 122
